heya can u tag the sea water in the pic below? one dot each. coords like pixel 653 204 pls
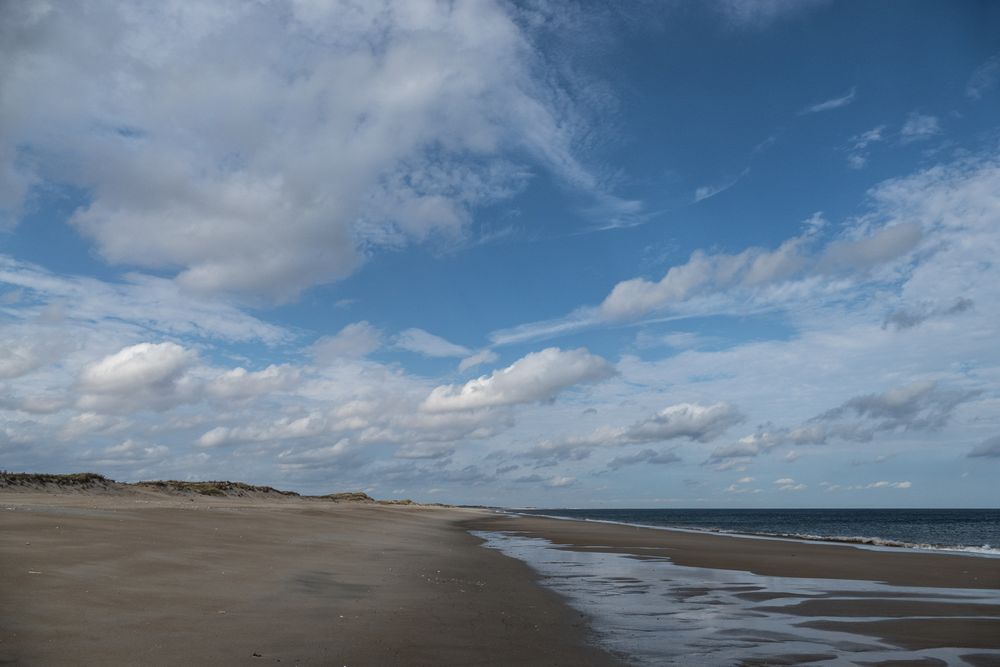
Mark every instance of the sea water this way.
pixel 651 611
pixel 972 530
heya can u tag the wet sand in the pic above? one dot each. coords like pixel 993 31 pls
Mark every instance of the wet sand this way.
pixel 127 580
pixel 938 615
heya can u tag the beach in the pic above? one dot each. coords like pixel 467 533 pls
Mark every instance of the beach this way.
pixel 147 578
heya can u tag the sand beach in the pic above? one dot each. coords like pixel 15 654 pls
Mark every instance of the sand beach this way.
pixel 148 577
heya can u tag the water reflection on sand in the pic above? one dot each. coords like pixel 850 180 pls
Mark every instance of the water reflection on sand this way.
pixel 656 613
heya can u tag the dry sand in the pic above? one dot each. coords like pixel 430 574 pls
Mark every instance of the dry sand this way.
pixel 138 579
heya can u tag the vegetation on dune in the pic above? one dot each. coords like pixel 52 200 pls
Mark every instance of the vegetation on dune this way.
pixel 92 481
pixel 213 488
pixel 76 479
pixel 349 497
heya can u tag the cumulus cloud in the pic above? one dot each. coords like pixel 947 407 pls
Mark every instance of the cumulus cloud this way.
pixel 830 104
pixel 427 344
pixel 704 273
pixel 359 126
pixel 160 376
pixel 538 376
pixel 989 448
pixel 148 374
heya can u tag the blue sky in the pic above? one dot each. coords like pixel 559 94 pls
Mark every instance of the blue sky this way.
pixel 557 254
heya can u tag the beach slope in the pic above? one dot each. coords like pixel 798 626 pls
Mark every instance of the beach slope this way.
pixel 147 578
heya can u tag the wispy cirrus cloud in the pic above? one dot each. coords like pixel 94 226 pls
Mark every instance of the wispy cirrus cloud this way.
pixel 709 191
pixel 831 104
pixel 984 79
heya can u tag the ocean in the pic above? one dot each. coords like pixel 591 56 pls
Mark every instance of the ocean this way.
pixel 970 530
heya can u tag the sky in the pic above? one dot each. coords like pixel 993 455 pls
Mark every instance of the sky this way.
pixel 664 254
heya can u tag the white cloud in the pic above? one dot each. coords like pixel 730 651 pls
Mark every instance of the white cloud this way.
pixel 150 374
pixel 537 376
pixel 678 340
pixel 757 268
pixel 130 453
pixel 91 422
pixel 18 358
pixel 984 79
pixel 477 359
pixel 140 303
pixel 354 340
pixel 789 484
pixel 882 484
pixel 427 344
pixel 425 450
pixel 582 318
pixel 833 103
pixel 359 126
pixel 709 191
pixel 691 421
pixel 916 407
pixel 239 383
pixel 733 488
pixel 762 13
pixel 646 456
pixel 857 157
pixel 918 127
pixel 684 420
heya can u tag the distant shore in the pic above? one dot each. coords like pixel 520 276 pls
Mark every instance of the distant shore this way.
pixel 154 575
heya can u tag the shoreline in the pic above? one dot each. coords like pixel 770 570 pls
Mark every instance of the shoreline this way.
pixel 759 555
pixel 892 604
pixel 859 542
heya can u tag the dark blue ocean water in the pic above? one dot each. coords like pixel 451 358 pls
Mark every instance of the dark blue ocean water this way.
pixel 964 529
